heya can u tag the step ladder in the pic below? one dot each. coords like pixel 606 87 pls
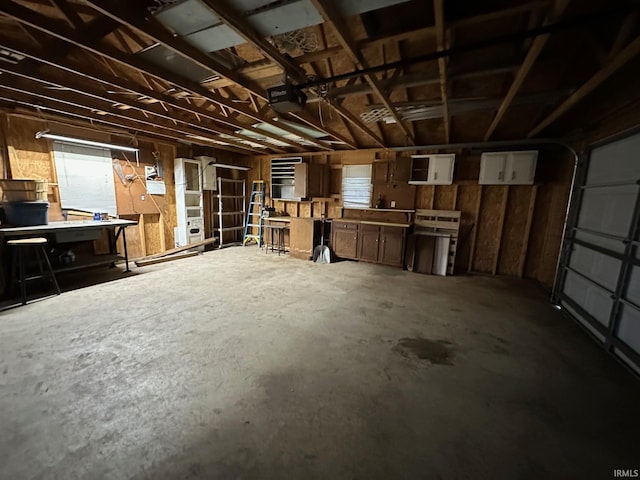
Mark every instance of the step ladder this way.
pixel 254 214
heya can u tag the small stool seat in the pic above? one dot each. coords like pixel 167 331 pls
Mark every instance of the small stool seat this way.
pixel 20 246
pixel 28 241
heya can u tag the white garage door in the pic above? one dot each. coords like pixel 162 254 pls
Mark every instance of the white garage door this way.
pixel 599 275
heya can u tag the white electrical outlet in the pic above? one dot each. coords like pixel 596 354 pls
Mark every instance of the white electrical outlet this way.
pixel 393 204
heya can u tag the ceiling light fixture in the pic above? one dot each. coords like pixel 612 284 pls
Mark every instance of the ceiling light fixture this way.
pixel 80 141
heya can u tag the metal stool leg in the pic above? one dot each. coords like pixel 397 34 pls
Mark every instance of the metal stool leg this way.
pixel 51 274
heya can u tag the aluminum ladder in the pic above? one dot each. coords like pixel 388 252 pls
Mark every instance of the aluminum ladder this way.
pixel 256 200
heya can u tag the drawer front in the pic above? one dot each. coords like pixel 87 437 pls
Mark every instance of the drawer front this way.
pixel 344 226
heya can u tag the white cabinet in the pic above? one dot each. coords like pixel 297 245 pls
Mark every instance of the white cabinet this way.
pixel 432 169
pixel 188 175
pixel 508 168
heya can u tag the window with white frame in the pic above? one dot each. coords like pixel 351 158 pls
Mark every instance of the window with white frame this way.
pixel 356 186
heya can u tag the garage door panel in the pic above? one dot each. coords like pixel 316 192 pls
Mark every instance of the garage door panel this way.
pixel 615 162
pixel 601 268
pixel 633 287
pixel 589 296
pixel 613 244
pixel 608 210
pixel 629 327
pixel 599 283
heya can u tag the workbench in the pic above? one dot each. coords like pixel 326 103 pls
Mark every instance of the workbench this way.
pixel 77 231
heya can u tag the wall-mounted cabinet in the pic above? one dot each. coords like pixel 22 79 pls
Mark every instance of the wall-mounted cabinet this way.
pixel 388 172
pixel 508 168
pixel 311 180
pixel 283 178
pixel 432 169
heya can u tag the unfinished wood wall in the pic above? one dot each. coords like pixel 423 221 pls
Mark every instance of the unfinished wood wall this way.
pixel 505 230
pixel 156 214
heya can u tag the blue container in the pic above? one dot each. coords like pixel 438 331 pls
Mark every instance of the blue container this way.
pixel 26 214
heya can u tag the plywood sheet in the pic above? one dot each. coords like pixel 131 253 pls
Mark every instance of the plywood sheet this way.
pixel 514 229
pixel 466 204
pixel 425 196
pixel 445 197
pixel 152 233
pixel 488 242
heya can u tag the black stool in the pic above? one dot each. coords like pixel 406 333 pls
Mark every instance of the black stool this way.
pixel 20 247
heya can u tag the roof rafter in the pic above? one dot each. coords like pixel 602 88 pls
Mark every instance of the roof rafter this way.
pixel 95 103
pixel 532 54
pixel 159 34
pixel 438 8
pixel 614 64
pixel 29 100
pixel 129 86
pixel 331 17
pixel 39 22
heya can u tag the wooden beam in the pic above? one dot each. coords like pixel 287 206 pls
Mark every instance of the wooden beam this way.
pixel 69 12
pixel 438 8
pixel 624 33
pixel 234 21
pixel 534 51
pixel 13 96
pixel 88 101
pixel 334 19
pixel 143 262
pixel 42 23
pixel 600 76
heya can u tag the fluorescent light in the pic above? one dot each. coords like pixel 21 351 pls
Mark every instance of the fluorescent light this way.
pixel 80 141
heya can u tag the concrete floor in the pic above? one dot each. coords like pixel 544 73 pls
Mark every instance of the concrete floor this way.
pixel 195 370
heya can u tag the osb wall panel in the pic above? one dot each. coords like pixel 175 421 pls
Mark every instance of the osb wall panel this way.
pixel 499 223
pixel 30 157
pixel 466 204
pixel 488 240
pixel 169 214
pixel 425 196
pixel 445 197
pixel 514 230
pixel 152 234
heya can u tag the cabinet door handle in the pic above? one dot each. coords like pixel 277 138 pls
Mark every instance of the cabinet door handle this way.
pixel 500 175
pixel 435 175
pixel 513 175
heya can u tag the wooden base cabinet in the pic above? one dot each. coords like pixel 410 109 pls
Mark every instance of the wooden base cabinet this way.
pixel 369 243
pixel 391 246
pixel 344 239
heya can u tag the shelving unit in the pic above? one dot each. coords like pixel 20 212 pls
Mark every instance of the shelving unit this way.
pixel 189 208
pixel 231 214
pixel 283 178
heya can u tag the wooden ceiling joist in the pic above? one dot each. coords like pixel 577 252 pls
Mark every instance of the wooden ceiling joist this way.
pixel 70 99
pixel 532 54
pixel 160 35
pixel 12 97
pixel 618 61
pixel 438 9
pixel 128 87
pixel 43 24
pixel 331 17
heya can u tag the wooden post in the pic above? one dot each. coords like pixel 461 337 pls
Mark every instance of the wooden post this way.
pixel 503 213
pixel 455 196
pixel 474 236
pixel 433 197
pixel 163 241
pixel 527 231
